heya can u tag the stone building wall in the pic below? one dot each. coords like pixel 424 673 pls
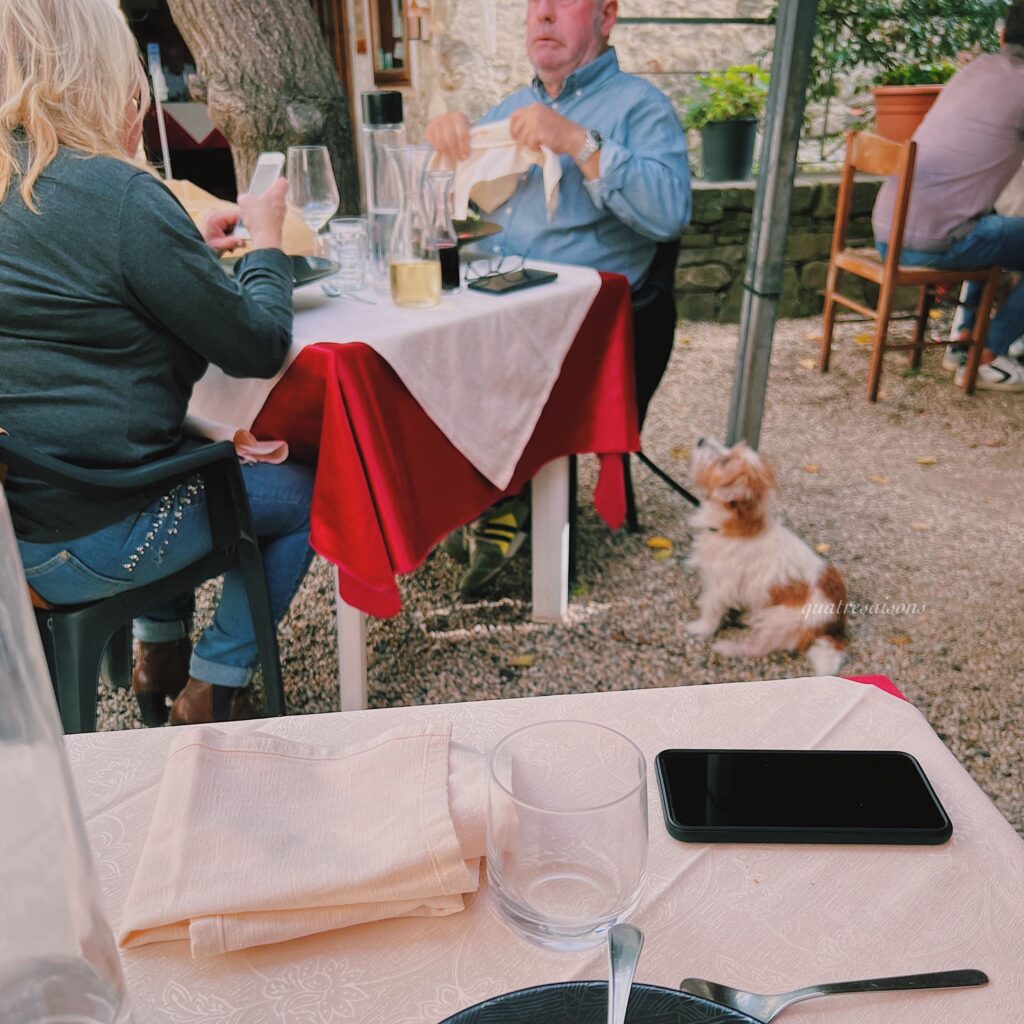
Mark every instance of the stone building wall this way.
pixel 713 253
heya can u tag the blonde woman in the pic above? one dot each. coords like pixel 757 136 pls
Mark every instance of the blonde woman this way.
pixel 111 307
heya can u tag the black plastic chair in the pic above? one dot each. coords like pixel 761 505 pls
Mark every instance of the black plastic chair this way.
pixel 76 636
pixel 654 328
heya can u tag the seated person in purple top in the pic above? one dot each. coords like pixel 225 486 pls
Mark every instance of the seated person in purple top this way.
pixel 112 304
pixel 969 146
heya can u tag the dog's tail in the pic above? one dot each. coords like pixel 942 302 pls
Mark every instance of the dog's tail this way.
pixel 826 655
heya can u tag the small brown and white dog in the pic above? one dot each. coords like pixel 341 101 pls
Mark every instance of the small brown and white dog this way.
pixel 791 599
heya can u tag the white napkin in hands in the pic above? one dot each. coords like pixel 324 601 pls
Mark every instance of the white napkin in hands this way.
pixel 490 175
pixel 257 839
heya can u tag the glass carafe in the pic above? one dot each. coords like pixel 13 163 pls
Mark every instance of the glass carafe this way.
pixel 382 128
pixel 437 195
pixel 413 266
pixel 58 961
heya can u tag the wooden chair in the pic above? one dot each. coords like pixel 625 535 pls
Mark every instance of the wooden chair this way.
pixel 871 154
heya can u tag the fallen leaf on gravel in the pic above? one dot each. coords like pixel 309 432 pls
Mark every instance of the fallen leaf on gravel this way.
pixel 883 394
pixel 900 640
pixel 823 549
pixel 808 364
pixel 879 478
pixel 813 336
pixel 921 527
pixel 863 339
pixel 810 468
pixel 521 661
pixel 684 341
pixel 934 314
pixel 659 543
pixel 926 460
pixel 679 452
pixel 993 442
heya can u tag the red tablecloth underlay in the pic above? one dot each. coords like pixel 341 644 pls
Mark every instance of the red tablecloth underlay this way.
pixel 389 485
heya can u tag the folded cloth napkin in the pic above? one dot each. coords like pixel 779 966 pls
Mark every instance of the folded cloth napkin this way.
pixel 490 175
pixel 247 447
pixel 256 839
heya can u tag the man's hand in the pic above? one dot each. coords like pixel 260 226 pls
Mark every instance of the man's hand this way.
pixel 217 228
pixel 264 215
pixel 538 125
pixel 449 135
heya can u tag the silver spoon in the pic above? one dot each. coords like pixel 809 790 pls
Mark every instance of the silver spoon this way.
pixel 624 945
pixel 334 292
pixel 767 1008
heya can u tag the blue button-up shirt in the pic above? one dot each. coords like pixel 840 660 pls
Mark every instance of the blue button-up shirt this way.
pixel 642 196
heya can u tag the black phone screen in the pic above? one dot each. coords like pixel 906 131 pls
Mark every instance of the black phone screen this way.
pixel 815 795
pixel 512 280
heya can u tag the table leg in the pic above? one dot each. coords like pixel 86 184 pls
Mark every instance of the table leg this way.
pixel 351 623
pixel 550 541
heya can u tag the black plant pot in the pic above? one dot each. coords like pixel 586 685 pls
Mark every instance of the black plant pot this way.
pixel 728 149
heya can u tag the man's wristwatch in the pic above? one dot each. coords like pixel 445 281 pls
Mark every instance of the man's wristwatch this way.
pixel 592 142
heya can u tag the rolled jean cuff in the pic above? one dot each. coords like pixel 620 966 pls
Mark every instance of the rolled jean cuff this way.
pixel 218 673
pixel 150 631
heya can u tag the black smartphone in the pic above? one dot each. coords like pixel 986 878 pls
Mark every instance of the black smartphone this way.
pixel 511 280
pixel 799 796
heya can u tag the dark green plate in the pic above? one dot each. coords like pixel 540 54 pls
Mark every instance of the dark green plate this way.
pixel 305 269
pixel 586 1002
pixel 471 230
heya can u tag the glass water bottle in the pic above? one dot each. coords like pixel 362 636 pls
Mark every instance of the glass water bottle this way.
pixel 58 961
pixel 414 267
pixel 382 128
pixel 437 195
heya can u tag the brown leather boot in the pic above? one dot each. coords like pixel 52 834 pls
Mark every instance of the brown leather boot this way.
pixel 203 702
pixel 161 671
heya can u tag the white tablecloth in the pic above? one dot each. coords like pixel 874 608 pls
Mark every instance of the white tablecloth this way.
pixel 481 366
pixel 763 917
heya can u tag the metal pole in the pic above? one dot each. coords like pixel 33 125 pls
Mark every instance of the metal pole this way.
pixel 762 281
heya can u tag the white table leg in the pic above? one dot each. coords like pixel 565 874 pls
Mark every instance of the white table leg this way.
pixel 550 540
pixel 351 624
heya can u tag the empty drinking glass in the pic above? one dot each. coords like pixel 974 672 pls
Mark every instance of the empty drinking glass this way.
pixel 312 190
pixel 348 243
pixel 566 831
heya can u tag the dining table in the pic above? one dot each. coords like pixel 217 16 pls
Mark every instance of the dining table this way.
pixel 417 420
pixel 765 917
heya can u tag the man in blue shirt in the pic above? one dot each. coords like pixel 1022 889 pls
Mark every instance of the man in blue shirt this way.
pixel 625 187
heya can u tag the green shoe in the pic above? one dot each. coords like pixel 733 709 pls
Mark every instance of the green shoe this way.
pixel 493 542
pixel 456 544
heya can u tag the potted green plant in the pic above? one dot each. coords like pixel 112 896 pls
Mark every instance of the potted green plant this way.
pixel 904 94
pixel 898 43
pixel 726 110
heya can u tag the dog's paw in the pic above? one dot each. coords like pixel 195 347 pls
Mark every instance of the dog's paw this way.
pixel 730 648
pixel 700 629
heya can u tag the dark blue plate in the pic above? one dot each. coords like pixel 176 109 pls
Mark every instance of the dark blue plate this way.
pixel 586 1002
pixel 305 269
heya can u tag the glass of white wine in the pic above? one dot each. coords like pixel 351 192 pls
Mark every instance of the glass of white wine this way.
pixel 312 190
pixel 414 266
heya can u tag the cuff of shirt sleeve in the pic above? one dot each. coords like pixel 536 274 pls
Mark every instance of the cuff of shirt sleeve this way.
pixel 614 158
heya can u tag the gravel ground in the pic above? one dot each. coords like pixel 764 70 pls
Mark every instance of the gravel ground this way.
pixel 918 498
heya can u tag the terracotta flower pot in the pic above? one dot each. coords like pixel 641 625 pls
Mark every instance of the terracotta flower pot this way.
pixel 899 109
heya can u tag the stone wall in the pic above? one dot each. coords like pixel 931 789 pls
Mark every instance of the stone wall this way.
pixel 713 253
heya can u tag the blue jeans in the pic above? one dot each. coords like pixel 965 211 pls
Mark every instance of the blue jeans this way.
pixel 993 240
pixel 168 535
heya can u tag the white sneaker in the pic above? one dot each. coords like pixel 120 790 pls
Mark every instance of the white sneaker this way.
pixel 954 357
pixel 1002 374
pixel 1016 350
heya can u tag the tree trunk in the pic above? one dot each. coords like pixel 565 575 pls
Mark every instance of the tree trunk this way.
pixel 269 82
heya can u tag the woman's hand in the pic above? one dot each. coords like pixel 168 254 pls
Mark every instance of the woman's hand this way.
pixel 217 228
pixel 264 215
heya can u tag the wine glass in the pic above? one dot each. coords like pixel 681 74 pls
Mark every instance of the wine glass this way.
pixel 312 191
